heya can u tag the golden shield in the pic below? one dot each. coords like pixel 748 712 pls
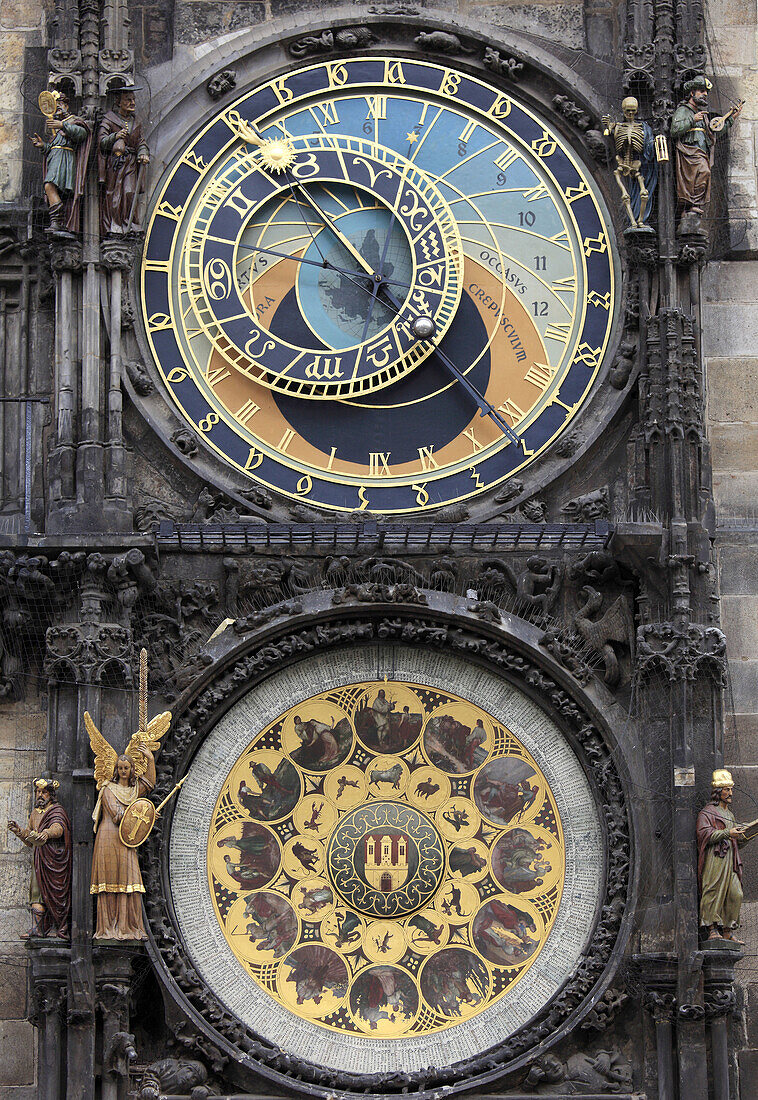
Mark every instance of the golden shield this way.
pixel 137 822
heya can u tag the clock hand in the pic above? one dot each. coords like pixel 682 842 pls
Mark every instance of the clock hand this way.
pixel 315 263
pixel 340 236
pixel 376 286
pixel 485 408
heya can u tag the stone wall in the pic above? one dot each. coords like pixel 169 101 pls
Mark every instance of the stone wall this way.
pixel 730 346
pixel 22 26
pixel 22 757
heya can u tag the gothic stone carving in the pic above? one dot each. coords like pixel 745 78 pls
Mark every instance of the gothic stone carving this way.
pixel 221 83
pixel 588 507
pixel 347 38
pixel 681 654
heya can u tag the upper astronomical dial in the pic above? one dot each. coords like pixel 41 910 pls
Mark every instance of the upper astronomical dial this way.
pixel 310 229
pixel 421 247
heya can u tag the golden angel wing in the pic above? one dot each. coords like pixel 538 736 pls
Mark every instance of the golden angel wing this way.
pixel 149 738
pixel 105 755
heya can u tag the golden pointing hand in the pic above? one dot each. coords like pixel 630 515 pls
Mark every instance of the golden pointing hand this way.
pixel 337 233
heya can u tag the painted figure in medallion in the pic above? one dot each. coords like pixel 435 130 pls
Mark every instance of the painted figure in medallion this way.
pixel 64 168
pixel 48 834
pixel 695 133
pixel 636 170
pixel 122 159
pixel 719 865
pixel 116 877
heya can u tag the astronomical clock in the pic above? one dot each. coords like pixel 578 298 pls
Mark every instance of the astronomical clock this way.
pixel 378 283
pixel 381 283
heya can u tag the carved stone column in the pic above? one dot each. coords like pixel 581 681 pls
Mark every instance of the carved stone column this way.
pixel 720 1002
pixel 657 984
pixel 47 980
pixel 66 263
pixel 117 257
pixel 113 973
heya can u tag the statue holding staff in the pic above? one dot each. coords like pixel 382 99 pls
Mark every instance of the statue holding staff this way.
pixel 122 157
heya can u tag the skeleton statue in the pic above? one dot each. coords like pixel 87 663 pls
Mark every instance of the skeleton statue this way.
pixel 636 167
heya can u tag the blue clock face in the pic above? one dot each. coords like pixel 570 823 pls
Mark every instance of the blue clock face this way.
pixel 378 284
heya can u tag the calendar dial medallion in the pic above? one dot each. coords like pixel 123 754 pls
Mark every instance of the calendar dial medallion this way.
pixel 351 264
pixel 385 859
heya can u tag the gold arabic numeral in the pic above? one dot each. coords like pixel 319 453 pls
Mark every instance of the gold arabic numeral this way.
pixel 304 485
pixel 476 477
pixel 177 375
pixel 286 439
pixel 600 301
pixel 281 91
pixel 246 412
pixel 464 137
pixel 217 278
pixel 510 409
pixel 451 82
pixel 166 210
pixel 324 368
pixel 338 74
pixel 393 72
pixel 328 112
pixel 254 459
pixel 305 169
pixel 158 322
pixel 540 375
pixel 503 162
pixel 595 244
pixel 216 375
pixel 422 497
pixel 588 355
pixel 241 203
pixel 572 194
pixel 469 433
pixel 427 459
pixel 207 423
pixel 378 464
pixel 501 108
pixel 362 498
pixel 544 146
pixel 559 332
pixel 332 453
pixel 191 159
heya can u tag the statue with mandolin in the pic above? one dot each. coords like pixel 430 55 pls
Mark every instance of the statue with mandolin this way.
pixel 123 819
pixel 695 133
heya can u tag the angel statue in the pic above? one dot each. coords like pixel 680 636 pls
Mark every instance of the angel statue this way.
pixel 116 877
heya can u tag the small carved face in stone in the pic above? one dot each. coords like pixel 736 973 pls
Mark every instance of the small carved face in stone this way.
pixel 629 106
pixel 126 104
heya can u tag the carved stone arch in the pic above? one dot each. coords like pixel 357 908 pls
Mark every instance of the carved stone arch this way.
pixel 510 650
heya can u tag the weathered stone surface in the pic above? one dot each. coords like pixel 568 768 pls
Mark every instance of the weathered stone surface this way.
pixel 17 1045
pixel 736 494
pixel 198 22
pixel 562 20
pixel 738 569
pixel 741 737
pixel 740 623
pixel 732 390
pixel 744 676
pixel 735 446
